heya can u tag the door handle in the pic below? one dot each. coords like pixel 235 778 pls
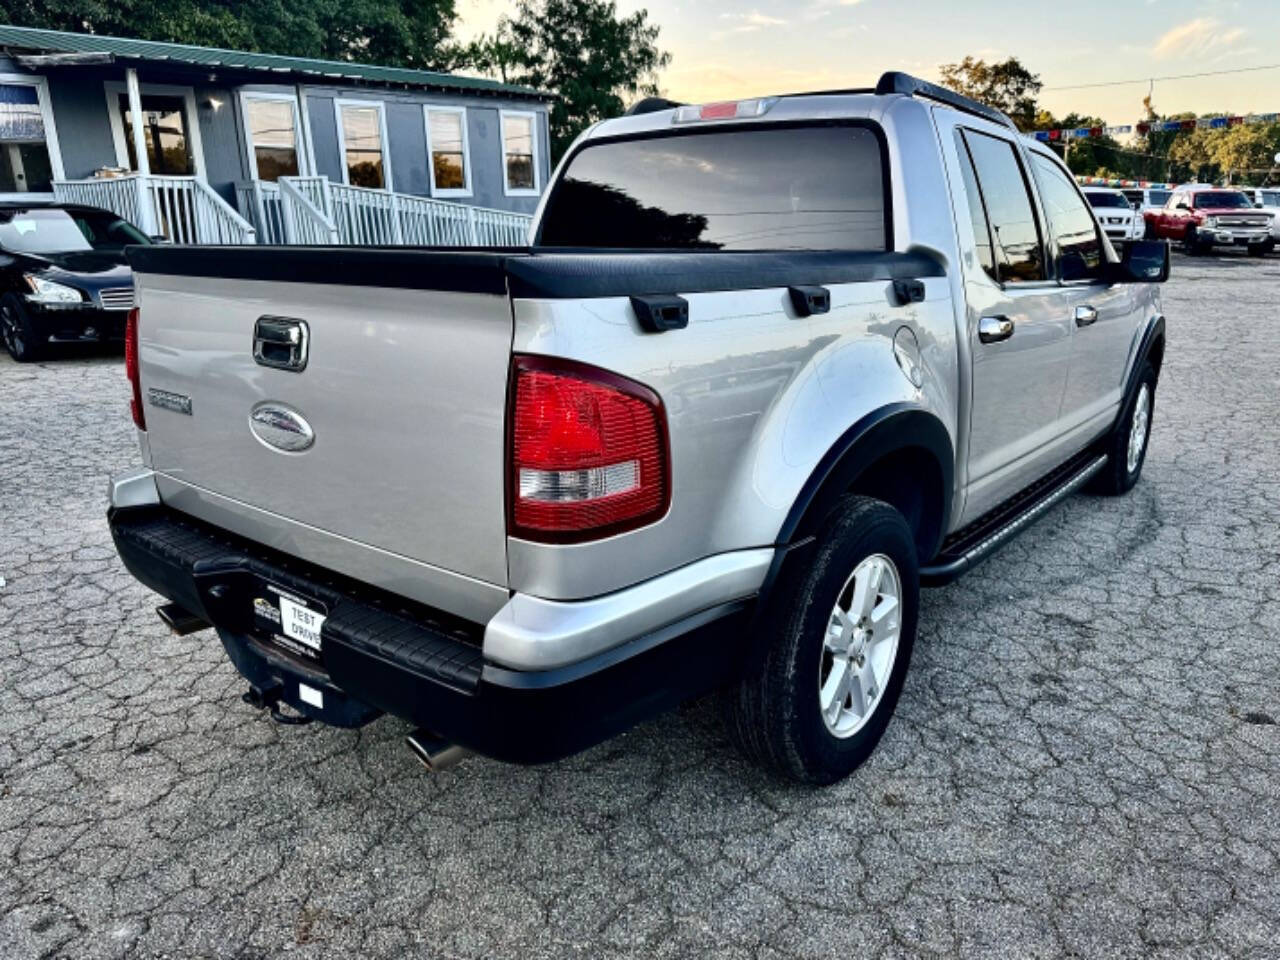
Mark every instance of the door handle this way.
pixel 1086 315
pixel 281 342
pixel 994 329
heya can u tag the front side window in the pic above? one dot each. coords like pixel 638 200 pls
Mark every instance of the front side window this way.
pixel 273 136
pixel 1015 233
pixel 106 231
pixel 519 138
pixel 767 188
pixel 1071 222
pixel 25 166
pixel 360 129
pixel 164 131
pixel 1270 198
pixel 447 141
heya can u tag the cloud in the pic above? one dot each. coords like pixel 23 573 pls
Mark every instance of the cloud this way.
pixel 751 22
pixel 1201 37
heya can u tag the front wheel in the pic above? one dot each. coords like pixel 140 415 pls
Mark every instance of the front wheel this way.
pixel 1191 244
pixel 15 329
pixel 1127 447
pixel 1261 249
pixel 839 637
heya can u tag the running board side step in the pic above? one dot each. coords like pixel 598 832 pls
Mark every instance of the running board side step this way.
pixel 965 551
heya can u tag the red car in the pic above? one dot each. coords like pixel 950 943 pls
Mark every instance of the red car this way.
pixel 1204 217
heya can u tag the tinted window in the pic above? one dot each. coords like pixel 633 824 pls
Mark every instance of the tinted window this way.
pixel 106 231
pixel 1107 200
pixel 1019 257
pixel 977 215
pixel 1158 197
pixel 818 188
pixel 1070 221
pixel 1230 199
pixel 1270 197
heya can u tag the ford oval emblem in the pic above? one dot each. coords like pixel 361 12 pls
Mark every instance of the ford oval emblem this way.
pixel 281 427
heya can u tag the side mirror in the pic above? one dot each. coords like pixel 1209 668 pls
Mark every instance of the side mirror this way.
pixel 159 238
pixel 1182 206
pixel 1257 206
pixel 1141 261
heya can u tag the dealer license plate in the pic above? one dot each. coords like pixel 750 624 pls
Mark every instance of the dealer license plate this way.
pixel 294 621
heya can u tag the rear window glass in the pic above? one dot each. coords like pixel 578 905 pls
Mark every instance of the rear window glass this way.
pixel 792 188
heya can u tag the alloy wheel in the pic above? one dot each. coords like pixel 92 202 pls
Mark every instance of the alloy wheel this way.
pixel 1138 428
pixel 861 646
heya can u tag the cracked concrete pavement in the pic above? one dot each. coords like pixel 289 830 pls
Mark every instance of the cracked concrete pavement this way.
pixel 1084 761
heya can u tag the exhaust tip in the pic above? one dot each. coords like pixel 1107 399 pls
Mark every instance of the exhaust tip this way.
pixel 435 753
pixel 181 620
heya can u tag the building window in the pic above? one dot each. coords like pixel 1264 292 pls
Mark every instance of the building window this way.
pixel 520 153
pixel 362 139
pixel 447 147
pixel 271 121
pixel 28 161
pixel 170 134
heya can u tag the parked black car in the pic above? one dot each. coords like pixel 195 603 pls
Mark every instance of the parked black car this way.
pixel 63 276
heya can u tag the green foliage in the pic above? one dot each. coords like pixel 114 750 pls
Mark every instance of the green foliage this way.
pixel 407 33
pixel 1007 86
pixel 581 50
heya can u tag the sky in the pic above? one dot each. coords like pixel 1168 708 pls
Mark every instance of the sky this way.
pixel 726 49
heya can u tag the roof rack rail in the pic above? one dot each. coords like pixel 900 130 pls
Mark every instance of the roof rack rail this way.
pixel 895 81
pixel 651 105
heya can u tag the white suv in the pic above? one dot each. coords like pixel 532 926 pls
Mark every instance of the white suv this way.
pixel 1119 220
pixel 1267 199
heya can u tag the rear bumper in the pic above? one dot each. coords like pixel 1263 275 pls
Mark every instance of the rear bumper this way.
pixel 382 654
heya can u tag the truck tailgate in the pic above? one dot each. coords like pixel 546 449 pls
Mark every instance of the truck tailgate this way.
pixel 403 388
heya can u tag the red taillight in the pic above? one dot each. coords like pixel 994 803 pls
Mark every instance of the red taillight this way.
pixel 131 368
pixel 588 453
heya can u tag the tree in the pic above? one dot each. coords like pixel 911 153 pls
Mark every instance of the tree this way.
pixel 1008 86
pixel 593 60
pixel 407 33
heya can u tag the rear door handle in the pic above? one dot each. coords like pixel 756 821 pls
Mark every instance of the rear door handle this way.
pixel 994 329
pixel 281 342
pixel 1085 315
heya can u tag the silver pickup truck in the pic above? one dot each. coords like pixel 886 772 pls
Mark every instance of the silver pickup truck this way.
pixel 765 368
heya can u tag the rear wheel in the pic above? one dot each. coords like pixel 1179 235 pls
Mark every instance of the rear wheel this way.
pixel 1127 447
pixel 839 639
pixel 15 329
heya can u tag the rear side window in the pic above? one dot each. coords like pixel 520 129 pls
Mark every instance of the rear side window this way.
pixel 977 215
pixel 779 188
pixel 1071 221
pixel 1014 231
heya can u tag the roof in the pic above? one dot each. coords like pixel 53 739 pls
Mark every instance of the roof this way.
pixel 127 48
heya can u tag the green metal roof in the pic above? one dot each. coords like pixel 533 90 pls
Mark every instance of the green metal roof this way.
pixel 57 41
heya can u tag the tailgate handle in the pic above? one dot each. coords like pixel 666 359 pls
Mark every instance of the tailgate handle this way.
pixel 281 342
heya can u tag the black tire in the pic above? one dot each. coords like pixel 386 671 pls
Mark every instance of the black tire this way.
pixel 1261 249
pixel 1190 245
pixel 1116 478
pixel 16 330
pixel 774 710
pixel 1148 231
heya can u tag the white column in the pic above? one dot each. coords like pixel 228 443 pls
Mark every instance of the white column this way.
pixel 146 209
pixel 306 166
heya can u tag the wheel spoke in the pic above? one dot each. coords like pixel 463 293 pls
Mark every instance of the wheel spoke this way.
pixel 866 587
pixel 836 689
pixel 839 631
pixel 863 687
pixel 886 606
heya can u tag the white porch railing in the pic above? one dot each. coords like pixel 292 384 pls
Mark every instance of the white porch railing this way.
pixel 182 209
pixel 309 207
